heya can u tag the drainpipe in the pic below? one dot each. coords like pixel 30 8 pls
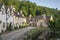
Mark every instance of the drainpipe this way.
pixel 6 18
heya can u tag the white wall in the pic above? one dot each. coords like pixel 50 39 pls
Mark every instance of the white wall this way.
pixel 0 20
pixel 3 20
pixel 10 19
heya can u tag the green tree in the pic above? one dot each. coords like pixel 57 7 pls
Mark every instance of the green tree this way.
pixel 15 3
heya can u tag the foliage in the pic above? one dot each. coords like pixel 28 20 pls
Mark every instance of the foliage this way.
pixel 32 34
pixel 9 28
pixel 52 24
pixel 57 24
pixel 28 8
pixel 16 28
pixel 31 8
pixel 24 26
pixel 15 3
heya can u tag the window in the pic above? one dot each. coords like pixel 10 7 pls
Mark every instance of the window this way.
pixel 7 11
pixel 7 24
pixel 41 24
pixel 2 11
pixel 3 25
pixel 0 22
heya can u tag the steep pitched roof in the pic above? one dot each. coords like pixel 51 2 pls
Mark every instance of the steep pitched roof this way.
pixel 37 17
pixel 17 14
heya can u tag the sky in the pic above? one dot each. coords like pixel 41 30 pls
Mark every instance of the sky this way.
pixel 48 3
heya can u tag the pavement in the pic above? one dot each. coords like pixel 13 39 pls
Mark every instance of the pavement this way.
pixel 16 34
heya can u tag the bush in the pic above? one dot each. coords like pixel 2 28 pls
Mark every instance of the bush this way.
pixel 23 26
pixel 19 26
pixel 9 28
pixel 52 24
pixel 32 33
pixel 58 23
pixel 16 28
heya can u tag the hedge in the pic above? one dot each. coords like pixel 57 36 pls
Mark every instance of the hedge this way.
pixel 32 34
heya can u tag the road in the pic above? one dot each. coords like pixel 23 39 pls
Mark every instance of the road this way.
pixel 16 34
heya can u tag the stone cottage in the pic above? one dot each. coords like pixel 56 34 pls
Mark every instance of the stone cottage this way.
pixel 38 21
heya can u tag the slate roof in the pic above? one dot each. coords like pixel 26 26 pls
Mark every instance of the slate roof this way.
pixel 17 15
pixel 6 7
pixel 40 17
pixel 36 18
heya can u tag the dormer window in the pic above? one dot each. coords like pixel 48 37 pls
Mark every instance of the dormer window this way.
pixel 3 25
pixel 2 12
pixel 7 11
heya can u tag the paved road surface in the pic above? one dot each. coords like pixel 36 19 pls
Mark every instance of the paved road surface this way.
pixel 16 35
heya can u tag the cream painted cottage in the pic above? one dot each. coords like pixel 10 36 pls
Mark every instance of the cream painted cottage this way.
pixel 19 19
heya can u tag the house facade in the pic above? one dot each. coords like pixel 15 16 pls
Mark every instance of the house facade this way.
pixel 38 21
pixel 19 19
pixel 6 17
pixel 2 18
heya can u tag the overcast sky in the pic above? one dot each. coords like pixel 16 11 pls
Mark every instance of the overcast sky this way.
pixel 48 3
